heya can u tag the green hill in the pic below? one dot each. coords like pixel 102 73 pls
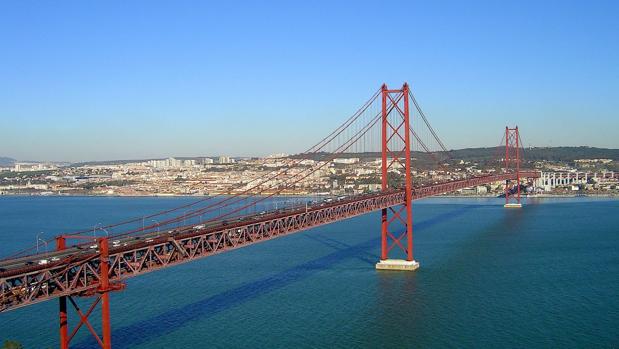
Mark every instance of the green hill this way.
pixel 4 161
pixel 563 154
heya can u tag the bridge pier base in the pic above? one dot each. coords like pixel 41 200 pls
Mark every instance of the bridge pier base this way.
pixel 397 264
pixel 513 205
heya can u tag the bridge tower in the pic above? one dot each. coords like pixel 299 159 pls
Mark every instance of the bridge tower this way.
pixel 102 296
pixel 396 151
pixel 512 163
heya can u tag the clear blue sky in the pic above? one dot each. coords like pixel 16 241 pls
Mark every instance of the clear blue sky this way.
pixel 93 80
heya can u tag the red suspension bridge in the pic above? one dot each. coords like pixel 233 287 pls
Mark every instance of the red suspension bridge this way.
pixel 403 141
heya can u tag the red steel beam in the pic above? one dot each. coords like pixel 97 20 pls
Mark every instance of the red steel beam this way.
pixel 62 301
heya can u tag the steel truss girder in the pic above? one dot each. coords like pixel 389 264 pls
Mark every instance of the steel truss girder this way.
pixel 81 276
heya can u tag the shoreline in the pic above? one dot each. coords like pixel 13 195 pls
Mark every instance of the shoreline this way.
pixel 538 196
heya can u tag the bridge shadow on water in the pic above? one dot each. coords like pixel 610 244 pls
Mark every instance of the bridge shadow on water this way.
pixel 169 321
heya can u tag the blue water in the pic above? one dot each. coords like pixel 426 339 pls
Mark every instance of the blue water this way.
pixel 545 276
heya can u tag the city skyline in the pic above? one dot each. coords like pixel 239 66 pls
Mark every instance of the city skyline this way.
pixel 10 162
pixel 166 81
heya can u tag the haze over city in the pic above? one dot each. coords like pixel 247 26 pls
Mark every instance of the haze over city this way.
pixel 110 80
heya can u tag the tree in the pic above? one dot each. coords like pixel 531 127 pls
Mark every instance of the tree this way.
pixel 8 344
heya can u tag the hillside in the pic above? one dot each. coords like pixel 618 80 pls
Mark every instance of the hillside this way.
pixel 4 161
pixel 560 154
pixel 563 154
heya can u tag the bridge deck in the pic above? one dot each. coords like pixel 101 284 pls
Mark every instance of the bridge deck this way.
pixel 75 271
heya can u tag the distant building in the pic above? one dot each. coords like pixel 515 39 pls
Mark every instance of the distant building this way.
pixel 158 163
pixel 24 166
pixel 225 160
pixel 371 186
pixel 275 156
pixel 603 161
pixel 172 163
pixel 347 161
pixel 308 162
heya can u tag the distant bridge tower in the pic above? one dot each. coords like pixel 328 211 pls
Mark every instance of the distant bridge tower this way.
pixel 396 151
pixel 512 163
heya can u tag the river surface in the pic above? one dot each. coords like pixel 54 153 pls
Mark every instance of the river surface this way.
pixel 544 276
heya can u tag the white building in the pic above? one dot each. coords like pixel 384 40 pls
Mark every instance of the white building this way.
pixel 225 160
pixel 172 163
pixel 347 161
pixel 158 163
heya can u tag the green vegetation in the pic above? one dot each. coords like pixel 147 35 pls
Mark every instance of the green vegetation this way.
pixel 118 183
pixel 25 174
pixel 476 154
pixel 9 344
pixel 217 169
pixel 564 154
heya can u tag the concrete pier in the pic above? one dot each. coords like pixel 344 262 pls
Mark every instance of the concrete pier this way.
pixel 397 264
